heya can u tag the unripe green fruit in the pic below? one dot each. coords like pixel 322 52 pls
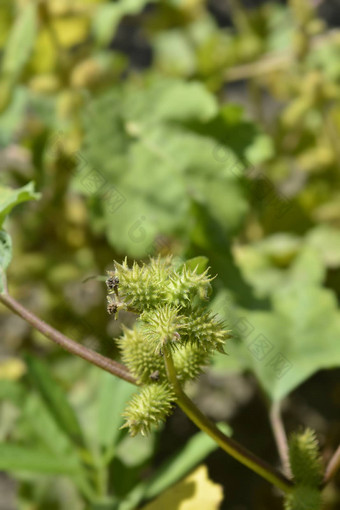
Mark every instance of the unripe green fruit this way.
pixel 147 286
pixel 163 325
pixel 203 329
pixel 185 285
pixel 168 324
pixel 189 361
pixel 142 287
pixel 149 408
pixel 140 357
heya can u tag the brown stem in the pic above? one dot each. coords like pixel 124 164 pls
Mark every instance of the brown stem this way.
pixel 280 437
pixel 66 343
pixel 333 467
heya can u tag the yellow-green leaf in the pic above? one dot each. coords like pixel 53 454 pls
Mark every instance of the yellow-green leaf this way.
pixel 195 492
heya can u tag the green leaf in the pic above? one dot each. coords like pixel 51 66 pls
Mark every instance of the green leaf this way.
pixel 167 136
pixel 326 240
pixel 55 399
pixel 5 257
pixel 285 346
pixel 201 263
pixel 20 43
pixel 11 390
pixel 278 261
pixel 17 459
pixel 134 451
pixel 13 116
pixel 114 393
pixel 196 449
pixel 174 53
pixel 45 428
pixel 196 491
pixel 9 198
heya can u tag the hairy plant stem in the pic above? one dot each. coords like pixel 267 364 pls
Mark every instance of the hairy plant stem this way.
pixel 280 436
pixel 229 445
pixel 332 468
pixel 66 343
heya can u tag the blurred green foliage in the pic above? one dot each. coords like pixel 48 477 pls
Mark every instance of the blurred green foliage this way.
pixel 158 127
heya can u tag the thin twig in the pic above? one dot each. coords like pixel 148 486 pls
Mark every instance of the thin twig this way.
pixel 229 445
pixel 66 343
pixel 280 437
pixel 272 62
pixel 268 64
pixel 333 467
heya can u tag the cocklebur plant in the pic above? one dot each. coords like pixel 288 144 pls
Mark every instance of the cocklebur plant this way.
pixel 170 343
pixel 173 322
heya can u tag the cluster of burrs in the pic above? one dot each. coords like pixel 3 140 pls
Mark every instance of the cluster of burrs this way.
pixel 172 313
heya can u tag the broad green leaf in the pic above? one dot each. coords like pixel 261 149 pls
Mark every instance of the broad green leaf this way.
pixel 9 198
pixel 45 428
pixel 287 345
pixel 99 399
pixel 10 419
pixel 13 116
pixel 5 257
pixel 278 261
pixel 18 459
pixel 11 390
pixel 196 491
pixel 326 240
pixel 20 42
pixel 325 58
pixel 174 147
pixel 196 449
pixel 6 17
pixel 134 451
pixel 112 398
pixel 52 493
pixel 55 399
pixel 174 53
